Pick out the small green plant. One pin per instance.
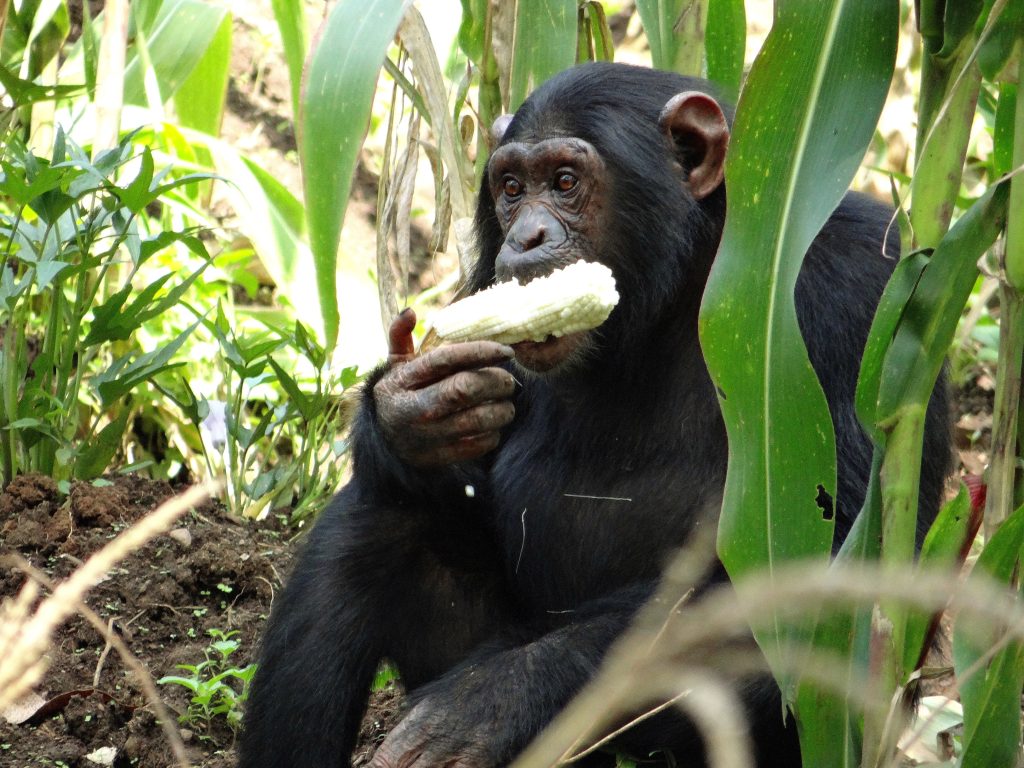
(213, 684)
(276, 435)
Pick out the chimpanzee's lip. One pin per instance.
(542, 356)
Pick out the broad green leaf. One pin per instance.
(291, 22)
(991, 692)
(340, 83)
(804, 109)
(658, 17)
(726, 44)
(544, 45)
(811, 103)
(179, 37)
(1007, 32)
(199, 101)
(97, 454)
(471, 30)
(50, 24)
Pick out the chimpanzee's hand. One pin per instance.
(445, 405)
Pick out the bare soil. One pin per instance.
(211, 572)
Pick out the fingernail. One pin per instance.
(405, 311)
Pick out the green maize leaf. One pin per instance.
(199, 101)
(958, 21)
(726, 44)
(1002, 135)
(659, 19)
(90, 51)
(544, 44)
(341, 79)
(811, 104)
(177, 41)
(890, 310)
(991, 693)
(291, 22)
(926, 327)
(144, 13)
(1006, 32)
(471, 30)
(805, 109)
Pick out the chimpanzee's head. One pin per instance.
(610, 163)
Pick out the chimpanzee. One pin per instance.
(510, 508)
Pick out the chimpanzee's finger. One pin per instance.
(400, 343)
(462, 390)
(438, 364)
(488, 417)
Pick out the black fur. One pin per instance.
(501, 604)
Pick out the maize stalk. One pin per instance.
(575, 298)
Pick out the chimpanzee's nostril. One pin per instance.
(534, 239)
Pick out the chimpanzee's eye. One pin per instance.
(511, 187)
(566, 182)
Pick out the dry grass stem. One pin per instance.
(145, 680)
(703, 645)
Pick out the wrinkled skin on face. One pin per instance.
(451, 403)
(550, 200)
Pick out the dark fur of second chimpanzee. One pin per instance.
(500, 605)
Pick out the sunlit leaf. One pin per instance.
(180, 35)
(291, 22)
(810, 104)
(340, 82)
(199, 101)
(545, 44)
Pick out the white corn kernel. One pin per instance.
(575, 298)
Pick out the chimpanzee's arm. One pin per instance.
(401, 565)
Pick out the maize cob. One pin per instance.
(575, 298)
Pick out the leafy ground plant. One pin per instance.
(73, 242)
(217, 687)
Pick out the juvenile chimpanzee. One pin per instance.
(496, 538)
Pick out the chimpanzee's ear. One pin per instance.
(694, 123)
(499, 127)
